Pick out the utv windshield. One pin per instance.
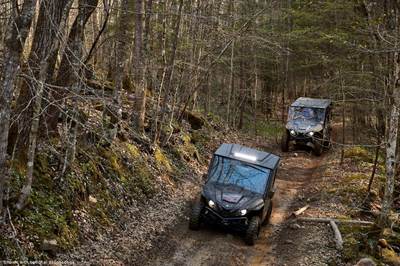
(306, 113)
(226, 171)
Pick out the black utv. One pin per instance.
(238, 191)
(308, 124)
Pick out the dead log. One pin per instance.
(338, 235)
(327, 220)
(300, 211)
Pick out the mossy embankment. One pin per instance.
(103, 181)
(346, 196)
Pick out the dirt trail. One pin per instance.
(214, 246)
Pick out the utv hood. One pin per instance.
(304, 126)
(232, 198)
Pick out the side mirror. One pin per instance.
(271, 193)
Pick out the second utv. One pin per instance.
(308, 124)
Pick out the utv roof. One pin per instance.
(311, 102)
(246, 154)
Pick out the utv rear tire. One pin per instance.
(252, 231)
(195, 215)
(285, 141)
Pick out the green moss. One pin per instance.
(350, 249)
(355, 178)
(143, 179)
(358, 153)
(390, 257)
(114, 163)
(9, 248)
(49, 217)
(186, 139)
(90, 169)
(200, 137)
(133, 150)
(162, 161)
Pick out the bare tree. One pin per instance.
(17, 32)
(45, 46)
(86, 7)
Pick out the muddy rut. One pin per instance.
(215, 246)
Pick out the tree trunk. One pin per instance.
(123, 39)
(45, 48)
(17, 32)
(50, 46)
(66, 72)
(140, 69)
(343, 119)
(391, 147)
(33, 135)
(231, 84)
(168, 71)
(391, 142)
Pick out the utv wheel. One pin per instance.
(285, 141)
(268, 216)
(317, 148)
(327, 145)
(195, 215)
(252, 231)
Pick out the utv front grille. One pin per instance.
(215, 217)
(226, 212)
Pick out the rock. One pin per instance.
(383, 243)
(50, 245)
(289, 242)
(294, 226)
(365, 262)
(92, 199)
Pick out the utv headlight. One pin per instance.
(211, 204)
(292, 132)
(310, 134)
(243, 212)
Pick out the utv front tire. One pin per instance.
(252, 231)
(285, 141)
(268, 216)
(317, 148)
(195, 215)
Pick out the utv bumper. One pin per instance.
(212, 216)
(303, 139)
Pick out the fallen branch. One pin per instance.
(328, 220)
(300, 211)
(338, 236)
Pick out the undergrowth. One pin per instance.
(101, 182)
